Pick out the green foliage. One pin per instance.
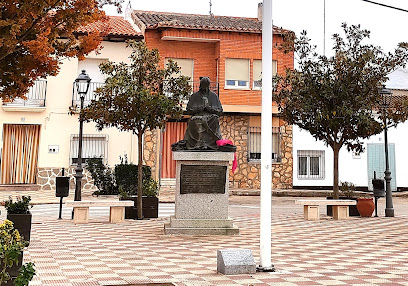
(103, 177)
(126, 179)
(11, 247)
(337, 99)
(123, 180)
(347, 189)
(25, 274)
(20, 206)
(138, 96)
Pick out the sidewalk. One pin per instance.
(357, 251)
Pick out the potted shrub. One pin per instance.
(12, 272)
(150, 201)
(123, 180)
(126, 179)
(18, 211)
(347, 191)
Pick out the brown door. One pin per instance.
(174, 132)
(20, 153)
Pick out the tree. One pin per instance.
(36, 35)
(137, 97)
(337, 99)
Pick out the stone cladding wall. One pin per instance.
(248, 174)
(150, 150)
(46, 179)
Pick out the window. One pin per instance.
(310, 164)
(92, 146)
(257, 83)
(254, 144)
(237, 73)
(186, 67)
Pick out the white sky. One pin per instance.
(387, 26)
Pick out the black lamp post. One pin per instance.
(389, 208)
(82, 86)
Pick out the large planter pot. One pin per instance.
(22, 222)
(352, 209)
(365, 207)
(150, 206)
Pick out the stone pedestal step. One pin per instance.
(200, 223)
(200, 231)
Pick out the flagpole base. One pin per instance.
(265, 269)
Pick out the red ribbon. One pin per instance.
(223, 142)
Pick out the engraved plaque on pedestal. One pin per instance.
(202, 179)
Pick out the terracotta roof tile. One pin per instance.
(153, 20)
(112, 26)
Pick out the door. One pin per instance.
(173, 133)
(20, 153)
(376, 162)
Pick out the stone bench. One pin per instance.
(116, 214)
(340, 208)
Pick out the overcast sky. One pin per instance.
(387, 26)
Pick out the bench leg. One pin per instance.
(311, 212)
(117, 214)
(340, 212)
(81, 214)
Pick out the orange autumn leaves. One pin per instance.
(36, 35)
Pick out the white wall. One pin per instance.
(352, 169)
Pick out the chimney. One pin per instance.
(260, 6)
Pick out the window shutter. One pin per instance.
(237, 69)
(186, 67)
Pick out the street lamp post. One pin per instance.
(389, 208)
(82, 86)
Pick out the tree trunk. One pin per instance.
(140, 177)
(336, 150)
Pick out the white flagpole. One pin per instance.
(266, 139)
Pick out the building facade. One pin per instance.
(229, 51)
(40, 133)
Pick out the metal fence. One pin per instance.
(254, 144)
(76, 100)
(93, 146)
(35, 97)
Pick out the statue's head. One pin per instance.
(205, 83)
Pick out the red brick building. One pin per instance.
(229, 51)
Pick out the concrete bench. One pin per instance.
(340, 208)
(116, 214)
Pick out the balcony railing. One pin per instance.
(214, 87)
(35, 96)
(76, 100)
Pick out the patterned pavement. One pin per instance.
(357, 251)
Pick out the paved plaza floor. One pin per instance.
(357, 251)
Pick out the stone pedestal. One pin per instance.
(201, 194)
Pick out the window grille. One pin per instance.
(93, 146)
(254, 144)
(311, 164)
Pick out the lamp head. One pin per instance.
(82, 83)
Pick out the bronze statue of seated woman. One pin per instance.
(203, 129)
